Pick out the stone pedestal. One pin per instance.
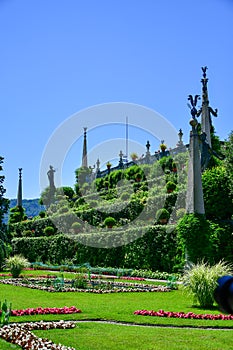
(194, 198)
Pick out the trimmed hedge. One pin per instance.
(159, 249)
(155, 250)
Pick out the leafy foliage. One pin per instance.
(109, 221)
(218, 198)
(17, 214)
(5, 313)
(193, 233)
(4, 202)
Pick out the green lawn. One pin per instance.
(90, 336)
(120, 307)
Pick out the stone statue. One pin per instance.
(193, 104)
(50, 174)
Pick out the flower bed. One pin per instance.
(190, 315)
(98, 286)
(21, 334)
(46, 311)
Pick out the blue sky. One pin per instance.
(60, 57)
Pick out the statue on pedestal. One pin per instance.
(50, 174)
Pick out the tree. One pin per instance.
(194, 238)
(82, 176)
(46, 197)
(4, 202)
(227, 150)
(17, 214)
(218, 197)
(67, 191)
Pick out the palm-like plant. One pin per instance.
(16, 264)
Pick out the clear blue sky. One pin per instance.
(59, 57)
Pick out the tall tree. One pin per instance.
(4, 202)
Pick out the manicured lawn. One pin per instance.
(120, 307)
(8, 346)
(89, 336)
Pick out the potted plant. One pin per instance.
(134, 156)
(162, 216)
(163, 147)
(108, 166)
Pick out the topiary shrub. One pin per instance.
(170, 186)
(125, 196)
(162, 216)
(49, 231)
(76, 227)
(109, 222)
(16, 264)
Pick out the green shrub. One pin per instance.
(5, 313)
(76, 227)
(180, 213)
(42, 214)
(201, 281)
(79, 282)
(170, 186)
(162, 214)
(27, 233)
(49, 231)
(109, 221)
(125, 196)
(194, 237)
(218, 198)
(16, 264)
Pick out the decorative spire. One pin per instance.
(84, 158)
(20, 190)
(206, 110)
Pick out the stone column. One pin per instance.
(20, 190)
(194, 197)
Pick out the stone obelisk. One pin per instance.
(84, 157)
(20, 190)
(194, 197)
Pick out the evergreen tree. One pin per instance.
(4, 202)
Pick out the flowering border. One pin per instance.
(46, 311)
(118, 287)
(188, 315)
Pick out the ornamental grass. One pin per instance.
(200, 281)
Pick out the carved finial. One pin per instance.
(204, 69)
(20, 173)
